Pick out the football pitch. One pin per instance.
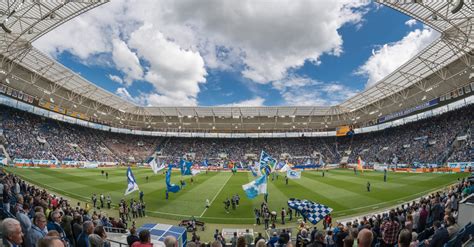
(340, 189)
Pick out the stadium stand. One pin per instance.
(430, 141)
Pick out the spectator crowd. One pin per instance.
(430, 141)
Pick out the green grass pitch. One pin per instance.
(339, 189)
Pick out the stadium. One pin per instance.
(160, 158)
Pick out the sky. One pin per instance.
(236, 53)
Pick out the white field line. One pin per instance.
(215, 196)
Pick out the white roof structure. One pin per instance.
(441, 67)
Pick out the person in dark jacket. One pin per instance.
(83, 239)
(132, 238)
(440, 236)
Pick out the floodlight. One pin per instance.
(5, 28)
(457, 5)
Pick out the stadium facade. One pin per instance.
(439, 75)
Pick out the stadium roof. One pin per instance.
(443, 66)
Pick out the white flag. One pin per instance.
(292, 174)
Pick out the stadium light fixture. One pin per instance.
(51, 100)
(258, 127)
(75, 106)
(189, 116)
(121, 110)
(424, 97)
(380, 114)
(5, 28)
(213, 127)
(7, 81)
(429, 89)
(457, 6)
(400, 105)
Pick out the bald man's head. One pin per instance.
(365, 238)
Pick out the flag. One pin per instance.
(280, 165)
(132, 183)
(253, 170)
(321, 162)
(187, 171)
(360, 164)
(285, 168)
(313, 212)
(154, 166)
(267, 163)
(205, 163)
(185, 167)
(256, 187)
(195, 170)
(169, 186)
(292, 174)
(182, 163)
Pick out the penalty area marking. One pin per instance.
(215, 196)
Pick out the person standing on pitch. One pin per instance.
(109, 201)
(106, 175)
(323, 173)
(385, 175)
(208, 204)
(141, 195)
(368, 186)
(286, 180)
(283, 215)
(167, 195)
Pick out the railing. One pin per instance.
(114, 243)
(115, 229)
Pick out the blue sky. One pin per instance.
(242, 53)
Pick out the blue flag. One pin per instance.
(169, 186)
(131, 182)
(187, 168)
(256, 187)
(182, 164)
(253, 170)
(205, 163)
(267, 163)
(313, 212)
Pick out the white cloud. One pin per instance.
(257, 101)
(302, 91)
(172, 99)
(410, 22)
(173, 70)
(126, 61)
(116, 78)
(294, 81)
(391, 56)
(124, 94)
(175, 40)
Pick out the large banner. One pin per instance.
(462, 166)
(344, 130)
(409, 110)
